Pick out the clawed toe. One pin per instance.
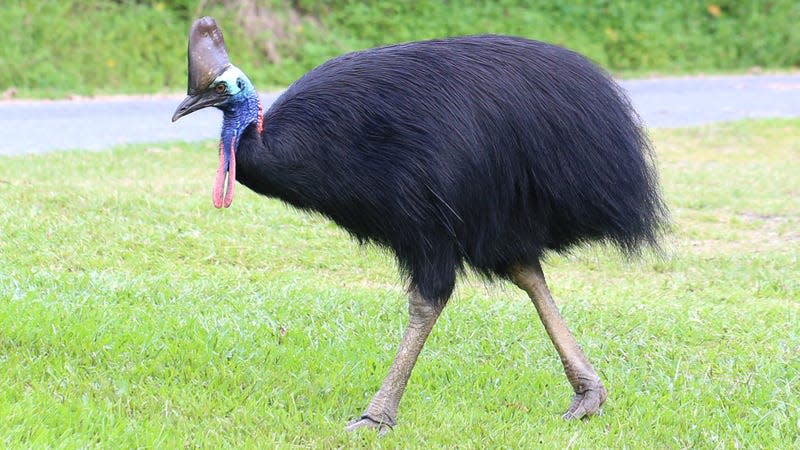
(381, 427)
(586, 403)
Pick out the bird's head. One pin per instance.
(214, 81)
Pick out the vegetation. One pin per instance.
(102, 46)
(133, 314)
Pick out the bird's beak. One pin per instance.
(193, 102)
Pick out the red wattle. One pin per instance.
(220, 179)
(260, 118)
(231, 174)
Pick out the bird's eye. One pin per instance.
(220, 88)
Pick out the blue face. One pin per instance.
(238, 100)
(236, 87)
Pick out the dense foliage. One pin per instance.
(99, 46)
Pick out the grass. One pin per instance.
(133, 314)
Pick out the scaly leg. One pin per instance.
(589, 391)
(382, 410)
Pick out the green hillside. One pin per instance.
(103, 46)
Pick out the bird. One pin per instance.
(471, 154)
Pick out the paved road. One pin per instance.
(39, 126)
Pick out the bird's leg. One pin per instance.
(382, 410)
(589, 391)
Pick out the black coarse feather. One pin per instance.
(484, 150)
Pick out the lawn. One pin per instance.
(134, 314)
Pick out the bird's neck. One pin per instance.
(244, 110)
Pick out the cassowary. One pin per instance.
(481, 152)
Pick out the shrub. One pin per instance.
(95, 46)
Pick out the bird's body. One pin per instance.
(482, 152)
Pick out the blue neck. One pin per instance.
(238, 113)
(241, 111)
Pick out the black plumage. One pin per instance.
(486, 151)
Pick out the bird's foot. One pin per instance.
(587, 402)
(381, 426)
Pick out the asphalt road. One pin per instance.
(40, 126)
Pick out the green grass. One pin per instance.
(133, 314)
